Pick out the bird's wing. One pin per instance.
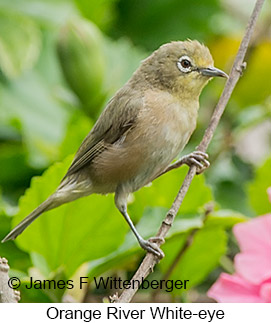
(118, 117)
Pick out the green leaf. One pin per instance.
(20, 44)
(164, 189)
(225, 218)
(208, 245)
(257, 189)
(127, 254)
(33, 295)
(45, 289)
(86, 229)
(153, 202)
(41, 117)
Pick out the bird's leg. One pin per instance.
(197, 158)
(149, 245)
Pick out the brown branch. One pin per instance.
(148, 263)
(7, 294)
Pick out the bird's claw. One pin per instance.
(198, 159)
(152, 247)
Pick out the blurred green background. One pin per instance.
(60, 62)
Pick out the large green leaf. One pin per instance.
(32, 295)
(224, 218)
(82, 230)
(208, 245)
(42, 119)
(129, 251)
(164, 189)
(257, 189)
(161, 194)
(20, 43)
(126, 256)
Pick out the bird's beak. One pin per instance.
(212, 71)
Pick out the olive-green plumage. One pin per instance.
(141, 130)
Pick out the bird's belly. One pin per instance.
(138, 160)
(132, 167)
(159, 153)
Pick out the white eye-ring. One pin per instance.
(184, 64)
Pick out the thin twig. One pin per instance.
(148, 263)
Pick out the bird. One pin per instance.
(141, 130)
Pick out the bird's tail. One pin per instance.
(69, 190)
(45, 206)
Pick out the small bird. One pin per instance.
(141, 131)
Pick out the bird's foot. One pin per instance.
(198, 159)
(151, 246)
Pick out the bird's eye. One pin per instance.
(184, 64)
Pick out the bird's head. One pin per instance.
(183, 67)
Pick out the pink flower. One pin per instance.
(251, 283)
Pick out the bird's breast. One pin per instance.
(163, 128)
(171, 122)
